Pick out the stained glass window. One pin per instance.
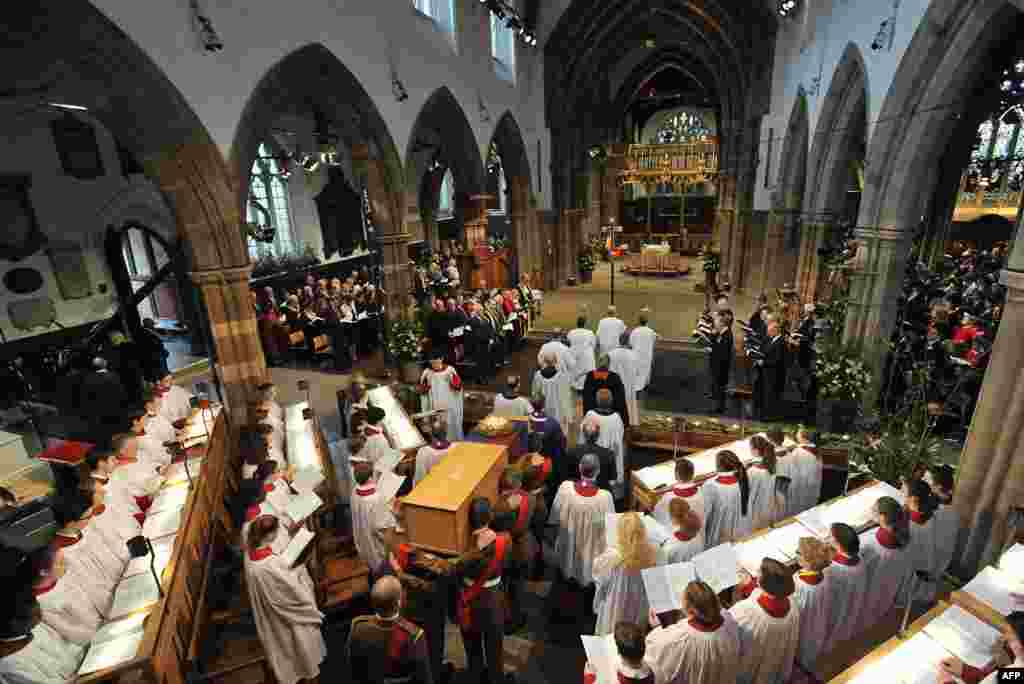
(445, 202)
(503, 49)
(269, 191)
(984, 137)
(1001, 148)
(682, 127)
(441, 11)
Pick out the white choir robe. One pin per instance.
(427, 457)
(620, 594)
(287, 619)
(678, 549)
(161, 428)
(276, 438)
(889, 572)
(283, 537)
(95, 557)
(924, 555)
(566, 358)
(787, 466)
(276, 412)
(376, 447)
(130, 481)
(48, 659)
(724, 520)
(686, 653)
(947, 524)
(371, 515)
(850, 586)
(515, 406)
(67, 609)
(807, 480)
(815, 603)
(583, 343)
(114, 527)
(444, 392)
(581, 536)
(609, 333)
(686, 490)
(624, 362)
(768, 644)
(558, 400)
(612, 436)
(765, 506)
(152, 450)
(176, 404)
(641, 341)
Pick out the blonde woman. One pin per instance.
(620, 595)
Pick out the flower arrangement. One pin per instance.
(711, 261)
(496, 243)
(841, 374)
(403, 341)
(585, 261)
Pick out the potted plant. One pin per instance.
(843, 377)
(586, 264)
(711, 264)
(403, 345)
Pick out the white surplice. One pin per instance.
(376, 447)
(620, 595)
(766, 506)
(48, 659)
(641, 341)
(558, 400)
(152, 450)
(581, 536)
(679, 550)
(609, 334)
(566, 358)
(849, 586)
(947, 529)
(815, 602)
(444, 392)
(686, 490)
(67, 609)
(371, 515)
(624, 362)
(96, 558)
(889, 572)
(724, 520)
(924, 555)
(427, 457)
(161, 428)
(768, 644)
(583, 343)
(516, 406)
(287, 619)
(806, 479)
(176, 403)
(131, 480)
(612, 436)
(283, 536)
(686, 654)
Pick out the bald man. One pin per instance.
(385, 647)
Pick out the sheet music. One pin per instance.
(656, 532)
(175, 473)
(169, 498)
(964, 635)
(303, 506)
(657, 476)
(388, 485)
(916, 661)
(297, 545)
(665, 585)
(993, 587)
(718, 567)
(1012, 562)
(132, 594)
(162, 524)
(111, 653)
(602, 655)
(307, 479)
(857, 510)
(279, 498)
(753, 551)
(388, 461)
(813, 520)
(162, 550)
(787, 538)
(119, 628)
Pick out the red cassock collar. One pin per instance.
(600, 375)
(586, 489)
(776, 606)
(366, 492)
(727, 479)
(843, 559)
(703, 626)
(810, 577)
(685, 492)
(251, 513)
(140, 434)
(886, 538)
(260, 554)
(918, 517)
(41, 589)
(268, 487)
(682, 536)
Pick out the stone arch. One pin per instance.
(508, 139)
(66, 51)
(442, 132)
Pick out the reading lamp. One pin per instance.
(139, 547)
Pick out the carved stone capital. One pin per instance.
(219, 276)
(883, 233)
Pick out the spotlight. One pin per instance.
(310, 163)
(786, 7)
(204, 27)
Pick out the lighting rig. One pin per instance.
(787, 7)
(512, 18)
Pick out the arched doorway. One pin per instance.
(508, 173)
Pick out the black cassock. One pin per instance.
(722, 353)
(771, 380)
(598, 380)
(478, 346)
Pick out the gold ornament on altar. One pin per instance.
(495, 426)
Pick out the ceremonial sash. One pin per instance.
(522, 517)
(396, 647)
(469, 595)
(144, 502)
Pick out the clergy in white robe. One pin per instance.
(611, 431)
(583, 344)
(372, 520)
(609, 331)
(176, 401)
(284, 607)
(850, 584)
(620, 594)
(641, 341)
(813, 597)
(579, 511)
(769, 627)
(684, 488)
(554, 386)
(509, 402)
(441, 388)
(429, 455)
(566, 358)
(47, 659)
(623, 362)
(889, 564)
(687, 538)
(703, 648)
(727, 509)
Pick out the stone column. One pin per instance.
(772, 272)
(519, 213)
(876, 276)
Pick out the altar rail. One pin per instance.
(692, 158)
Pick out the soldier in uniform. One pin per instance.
(515, 507)
(385, 648)
(479, 605)
(426, 580)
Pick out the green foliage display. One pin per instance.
(403, 340)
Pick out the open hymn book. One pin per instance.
(665, 585)
(297, 545)
(603, 657)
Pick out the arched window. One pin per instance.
(268, 204)
(682, 127)
(497, 169)
(503, 49)
(446, 201)
(443, 14)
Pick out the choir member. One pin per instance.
(177, 401)
(602, 378)
(254, 451)
(623, 362)
(612, 433)
(259, 507)
(947, 520)
(609, 331)
(684, 488)
(770, 383)
(480, 613)
(553, 385)
(769, 627)
(849, 576)
(702, 649)
(766, 505)
(814, 597)
(429, 455)
(284, 607)
(1011, 655)
(276, 445)
(509, 403)
(641, 341)
(579, 511)
(889, 563)
(92, 550)
(69, 600)
(385, 647)
(583, 343)
(149, 447)
(273, 444)
(426, 585)
(135, 480)
(517, 506)
(441, 388)
(620, 595)
(268, 393)
(155, 423)
(723, 353)
(630, 667)
(565, 358)
(807, 472)
(377, 443)
(373, 520)
(590, 443)
(727, 509)
(687, 538)
(924, 539)
(46, 658)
